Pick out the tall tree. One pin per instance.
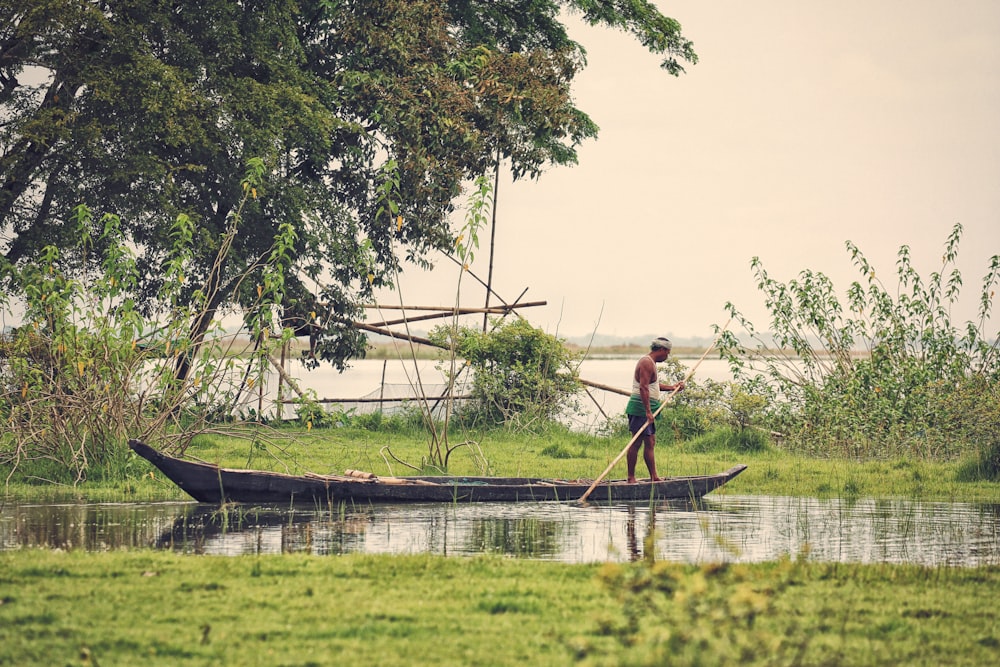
(151, 108)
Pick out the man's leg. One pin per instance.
(635, 424)
(631, 457)
(649, 456)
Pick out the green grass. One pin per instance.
(555, 453)
(160, 608)
(157, 608)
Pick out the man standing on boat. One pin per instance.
(644, 401)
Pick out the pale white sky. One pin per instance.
(804, 125)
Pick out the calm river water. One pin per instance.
(719, 528)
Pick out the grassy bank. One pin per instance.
(160, 608)
(167, 609)
(557, 453)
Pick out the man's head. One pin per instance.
(661, 347)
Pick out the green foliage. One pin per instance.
(556, 451)
(522, 378)
(310, 414)
(406, 421)
(887, 374)
(62, 370)
(985, 464)
(689, 412)
(679, 422)
(690, 615)
(657, 32)
(466, 244)
(476, 219)
(88, 368)
(152, 111)
(792, 613)
(705, 405)
(730, 439)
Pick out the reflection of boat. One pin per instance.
(213, 529)
(209, 483)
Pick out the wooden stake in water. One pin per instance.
(658, 410)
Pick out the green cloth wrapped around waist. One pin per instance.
(635, 406)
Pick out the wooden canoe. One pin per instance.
(209, 483)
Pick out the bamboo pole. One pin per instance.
(363, 399)
(288, 379)
(493, 237)
(394, 334)
(596, 404)
(496, 310)
(454, 311)
(281, 380)
(658, 410)
(598, 385)
(381, 384)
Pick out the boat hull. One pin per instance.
(209, 483)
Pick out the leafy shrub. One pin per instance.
(678, 423)
(675, 614)
(702, 406)
(706, 405)
(310, 413)
(92, 366)
(523, 377)
(888, 374)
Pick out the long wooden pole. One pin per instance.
(453, 312)
(638, 433)
(493, 310)
(493, 238)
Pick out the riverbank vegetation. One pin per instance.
(91, 364)
(887, 377)
(162, 608)
(887, 382)
(357, 127)
(886, 373)
(391, 446)
(285, 209)
(110, 608)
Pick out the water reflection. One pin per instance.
(723, 528)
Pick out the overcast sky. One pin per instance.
(804, 125)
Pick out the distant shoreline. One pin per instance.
(619, 351)
(392, 351)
